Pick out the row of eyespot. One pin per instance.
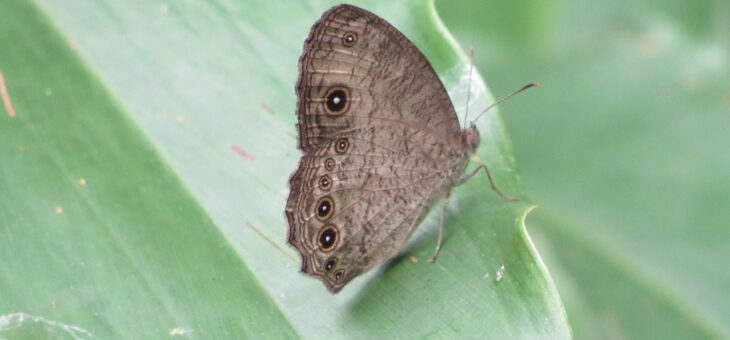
(328, 236)
(336, 103)
(337, 99)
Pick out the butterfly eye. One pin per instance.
(330, 264)
(327, 238)
(349, 39)
(337, 100)
(329, 164)
(325, 182)
(341, 145)
(325, 208)
(339, 274)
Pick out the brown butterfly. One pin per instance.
(382, 144)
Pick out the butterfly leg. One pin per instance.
(491, 182)
(441, 230)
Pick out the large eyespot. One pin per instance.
(327, 238)
(337, 100)
(341, 145)
(330, 264)
(325, 182)
(325, 208)
(339, 274)
(329, 164)
(349, 39)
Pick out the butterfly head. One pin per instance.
(470, 138)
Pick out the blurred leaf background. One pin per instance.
(628, 157)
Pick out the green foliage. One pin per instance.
(624, 148)
(144, 175)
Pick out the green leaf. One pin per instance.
(625, 148)
(144, 180)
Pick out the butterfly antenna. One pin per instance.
(505, 98)
(468, 93)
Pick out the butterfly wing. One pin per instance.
(384, 76)
(380, 137)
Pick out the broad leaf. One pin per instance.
(144, 179)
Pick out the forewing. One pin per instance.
(388, 79)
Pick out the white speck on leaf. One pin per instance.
(180, 331)
(500, 274)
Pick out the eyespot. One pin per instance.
(330, 264)
(339, 274)
(341, 145)
(325, 208)
(325, 182)
(349, 39)
(337, 100)
(327, 238)
(329, 164)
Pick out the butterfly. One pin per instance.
(382, 145)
